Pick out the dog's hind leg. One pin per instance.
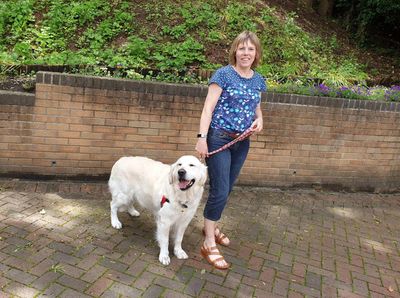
(132, 211)
(117, 204)
(115, 223)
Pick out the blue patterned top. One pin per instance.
(236, 107)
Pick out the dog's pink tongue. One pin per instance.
(183, 183)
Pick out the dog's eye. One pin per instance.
(191, 165)
(179, 164)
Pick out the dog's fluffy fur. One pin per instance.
(146, 181)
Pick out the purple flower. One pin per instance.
(322, 89)
(395, 88)
(393, 94)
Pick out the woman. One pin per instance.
(232, 106)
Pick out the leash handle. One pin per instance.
(248, 132)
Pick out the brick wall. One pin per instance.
(78, 126)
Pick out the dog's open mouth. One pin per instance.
(185, 184)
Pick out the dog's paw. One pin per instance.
(116, 224)
(164, 259)
(133, 212)
(180, 253)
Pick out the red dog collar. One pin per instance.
(163, 201)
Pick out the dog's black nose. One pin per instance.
(181, 173)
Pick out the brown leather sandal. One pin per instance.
(213, 251)
(219, 238)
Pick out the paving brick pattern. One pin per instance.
(56, 241)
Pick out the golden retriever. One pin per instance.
(171, 192)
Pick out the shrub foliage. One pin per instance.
(169, 37)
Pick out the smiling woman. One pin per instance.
(245, 53)
(232, 107)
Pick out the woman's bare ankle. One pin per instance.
(209, 242)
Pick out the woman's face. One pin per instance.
(245, 54)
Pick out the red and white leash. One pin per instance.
(248, 132)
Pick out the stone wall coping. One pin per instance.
(192, 90)
(107, 83)
(17, 98)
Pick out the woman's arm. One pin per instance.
(257, 125)
(213, 94)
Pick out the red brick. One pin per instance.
(369, 279)
(219, 290)
(267, 275)
(3, 282)
(360, 287)
(347, 294)
(382, 290)
(343, 273)
(245, 291)
(275, 249)
(88, 262)
(299, 269)
(17, 263)
(244, 252)
(357, 260)
(328, 291)
(328, 263)
(281, 287)
(21, 290)
(293, 294)
(232, 280)
(376, 295)
(144, 280)
(255, 263)
(99, 286)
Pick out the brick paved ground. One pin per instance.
(56, 241)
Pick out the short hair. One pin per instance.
(244, 37)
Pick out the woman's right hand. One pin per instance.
(202, 148)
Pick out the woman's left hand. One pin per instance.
(257, 125)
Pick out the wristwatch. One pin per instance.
(202, 135)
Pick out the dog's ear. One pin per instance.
(171, 173)
(203, 177)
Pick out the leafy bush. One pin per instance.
(175, 56)
(171, 37)
(351, 92)
(15, 20)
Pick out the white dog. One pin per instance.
(171, 192)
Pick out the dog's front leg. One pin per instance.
(178, 251)
(163, 239)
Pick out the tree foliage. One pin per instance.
(367, 17)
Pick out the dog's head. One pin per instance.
(188, 171)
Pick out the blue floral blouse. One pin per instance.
(236, 107)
